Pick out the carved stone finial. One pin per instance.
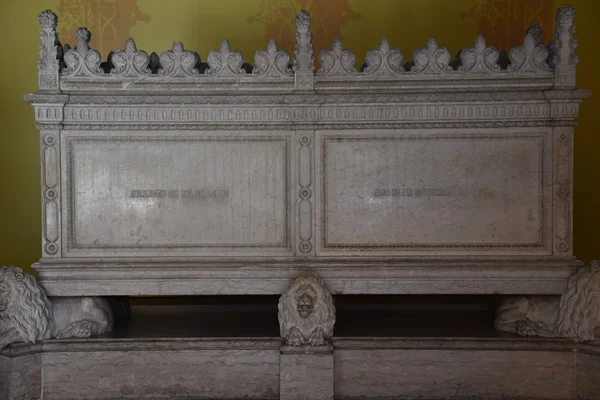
(303, 20)
(565, 15)
(27, 315)
(48, 64)
(563, 56)
(575, 314)
(48, 19)
(306, 313)
(83, 37)
(304, 64)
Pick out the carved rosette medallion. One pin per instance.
(305, 194)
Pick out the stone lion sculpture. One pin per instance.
(575, 314)
(27, 315)
(306, 313)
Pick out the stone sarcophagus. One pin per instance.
(171, 174)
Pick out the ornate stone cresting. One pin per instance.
(479, 57)
(306, 313)
(575, 314)
(337, 61)
(225, 62)
(82, 61)
(27, 315)
(529, 56)
(178, 62)
(383, 60)
(432, 59)
(48, 64)
(272, 62)
(563, 57)
(130, 62)
(304, 64)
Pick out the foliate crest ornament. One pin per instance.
(178, 62)
(306, 313)
(225, 62)
(479, 57)
(576, 314)
(48, 64)
(272, 62)
(432, 60)
(564, 46)
(383, 60)
(529, 56)
(82, 61)
(130, 62)
(337, 61)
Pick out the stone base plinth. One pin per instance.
(260, 368)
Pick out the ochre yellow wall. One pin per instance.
(201, 24)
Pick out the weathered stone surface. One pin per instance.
(484, 374)
(306, 373)
(211, 374)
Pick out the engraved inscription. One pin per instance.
(435, 191)
(194, 192)
(174, 193)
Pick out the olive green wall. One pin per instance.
(201, 24)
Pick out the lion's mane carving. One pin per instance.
(306, 313)
(575, 314)
(27, 315)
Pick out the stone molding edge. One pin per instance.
(100, 99)
(575, 314)
(60, 63)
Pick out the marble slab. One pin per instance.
(450, 373)
(213, 193)
(207, 374)
(397, 192)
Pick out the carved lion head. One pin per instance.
(24, 306)
(306, 305)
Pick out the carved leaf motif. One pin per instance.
(479, 58)
(178, 62)
(529, 56)
(383, 60)
(337, 61)
(225, 62)
(130, 61)
(432, 59)
(81, 60)
(272, 62)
